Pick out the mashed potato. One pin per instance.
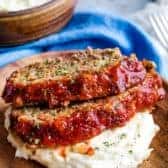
(15, 5)
(124, 147)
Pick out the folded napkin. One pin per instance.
(97, 31)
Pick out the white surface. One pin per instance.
(118, 7)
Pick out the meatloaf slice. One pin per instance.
(77, 77)
(70, 125)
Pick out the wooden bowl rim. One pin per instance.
(29, 10)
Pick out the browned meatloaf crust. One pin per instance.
(70, 125)
(81, 76)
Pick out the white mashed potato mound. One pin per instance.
(124, 147)
(16, 5)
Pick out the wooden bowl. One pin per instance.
(30, 24)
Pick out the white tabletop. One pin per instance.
(119, 7)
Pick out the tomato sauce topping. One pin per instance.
(85, 123)
(111, 80)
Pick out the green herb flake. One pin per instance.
(61, 71)
(122, 136)
(97, 148)
(107, 143)
(46, 62)
(130, 151)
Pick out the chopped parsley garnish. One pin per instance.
(61, 71)
(97, 148)
(46, 62)
(130, 151)
(107, 144)
(122, 136)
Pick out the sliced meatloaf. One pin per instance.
(76, 123)
(77, 77)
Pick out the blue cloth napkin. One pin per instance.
(97, 31)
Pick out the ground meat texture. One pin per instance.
(79, 77)
(77, 123)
